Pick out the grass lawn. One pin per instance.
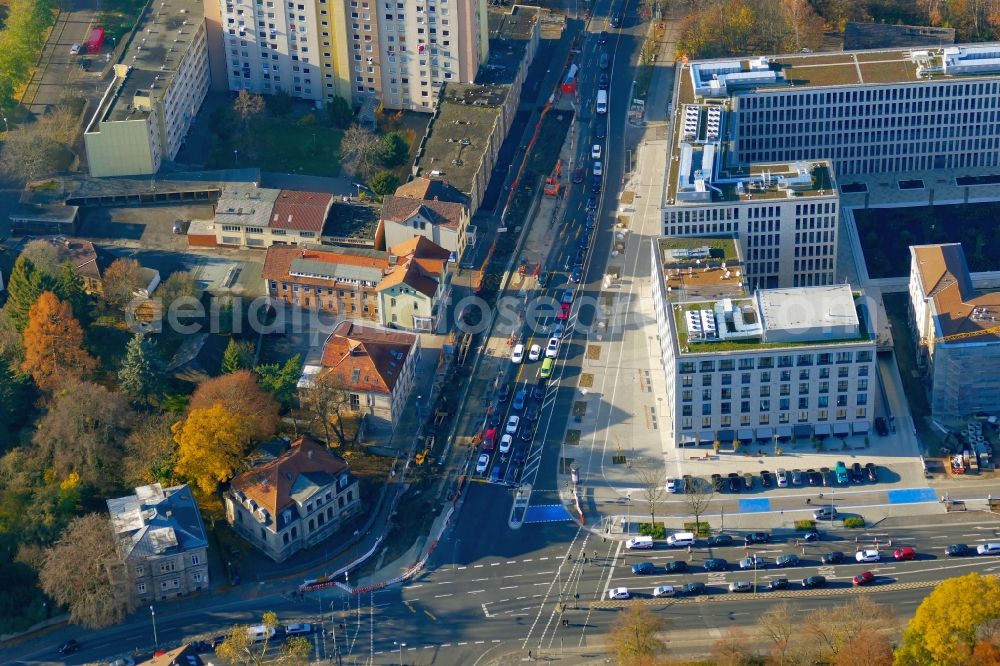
(887, 233)
(285, 147)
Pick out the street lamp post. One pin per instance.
(6, 127)
(236, 157)
(401, 646)
(152, 613)
(454, 554)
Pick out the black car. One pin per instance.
(718, 483)
(520, 453)
(504, 394)
(881, 427)
(584, 242)
(748, 480)
(579, 257)
(531, 413)
(592, 203)
(643, 568)
(720, 540)
(758, 537)
(810, 536)
(766, 478)
(603, 82)
(833, 557)
(527, 433)
(958, 550)
(857, 473)
(829, 478)
(590, 222)
(600, 132)
(734, 482)
(871, 471)
(814, 581)
(814, 477)
(694, 589)
(538, 390)
(778, 584)
(676, 566)
(495, 417)
(789, 560)
(69, 647)
(715, 564)
(603, 37)
(595, 187)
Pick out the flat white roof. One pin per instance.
(807, 308)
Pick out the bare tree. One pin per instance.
(829, 630)
(653, 488)
(698, 493)
(121, 280)
(634, 635)
(44, 255)
(779, 626)
(360, 151)
(328, 406)
(239, 646)
(28, 154)
(248, 106)
(731, 649)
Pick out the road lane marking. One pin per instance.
(430, 615)
(514, 576)
(542, 559)
(495, 564)
(509, 587)
(475, 591)
(480, 642)
(438, 596)
(477, 566)
(478, 580)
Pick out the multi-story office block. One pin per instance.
(780, 363)
(157, 90)
(866, 111)
(397, 52)
(958, 332)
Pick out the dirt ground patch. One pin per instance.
(593, 352)
(586, 380)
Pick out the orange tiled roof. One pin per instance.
(944, 277)
(279, 258)
(270, 485)
(304, 211)
(366, 359)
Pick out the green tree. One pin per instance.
(142, 371)
(26, 284)
(68, 287)
(238, 356)
(339, 112)
(281, 380)
(394, 150)
(384, 182)
(946, 627)
(14, 402)
(280, 104)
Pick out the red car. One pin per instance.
(905, 554)
(864, 578)
(563, 313)
(489, 439)
(578, 175)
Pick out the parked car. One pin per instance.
(595, 151)
(715, 564)
(664, 591)
(489, 439)
(598, 169)
(535, 352)
(547, 366)
(563, 314)
(864, 578)
(496, 474)
(871, 471)
(602, 38)
(495, 415)
(75, 49)
(70, 646)
(298, 629)
(748, 480)
(753, 562)
(782, 477)
(904, 554)
(558, 331)
(538, 390)
(503, 395)
(643, 568)
(720, 540)
(814, 478)
(741, 586)
(674, 485)
(734, 482)
(517, 355)
(567, 296)
(788, 560)
(482, 463)
(868, 555)
(520, 453)
(814, 581)
(796, 477)
(758, 537)
(601, 131)
(833, 557)
(512, 423)
(857, 473)
(718, 483)
(527, 432)
(778, 584)
(829, 478)
(766, 478)
(988, 549)
(694, 589)
(603, 82)
(619, 593)
(881, 426)
(592, 203)
(825, 513)
(841, 469)
(577, 275)
(811, 535)
(676, 566)
(958, 550)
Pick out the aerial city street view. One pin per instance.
(454, 332)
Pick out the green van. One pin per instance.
(547, 366)
(841, 471)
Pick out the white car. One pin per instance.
(534, 353)
(75, 49)
(598, 169)
(664, 591)
(482, 463)
(868, 555)
(619, 593)
(595, 152)
(675, 485)
(552, 349)
(505, 443)
(559, 330)
(512, 424)
(517, 355)
(298, 629)
(988, 549)
(782, 477)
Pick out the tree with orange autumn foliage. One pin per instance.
(240, 393)
(211, 444)
(53, 344)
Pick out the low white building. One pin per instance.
(780, 363)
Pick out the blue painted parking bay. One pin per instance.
(760, 505)
(546, 513)
(911, 496)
